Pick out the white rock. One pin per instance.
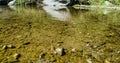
(59, 51)
(73, 50)
(16, 55)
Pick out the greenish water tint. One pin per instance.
(94, 33)
(101, 2)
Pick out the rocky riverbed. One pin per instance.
(34, 37)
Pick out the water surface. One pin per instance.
(94, 33)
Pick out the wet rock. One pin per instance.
(74, 50)
(60, 51)
(95, 46)
(16, 56)
(4, 47)
(87, 43)
(10, 46)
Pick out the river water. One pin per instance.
(95, 32)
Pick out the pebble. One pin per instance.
(60, 51)
(73, 50)
(95, 46)
(16, 55)
(8, 46)
(4, 47)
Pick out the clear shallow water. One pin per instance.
(91, 21)
(94, 31)
(84, 21)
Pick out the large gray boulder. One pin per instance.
(66, 2)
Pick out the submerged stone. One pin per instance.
(4, 47)
(60, 51)
(8, 46)
(74, 50)
(16, 56)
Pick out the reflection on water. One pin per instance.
(0, 9)
(4, 8)
(61, 13)
(57, 9)
(12, 7)
(106, 11)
